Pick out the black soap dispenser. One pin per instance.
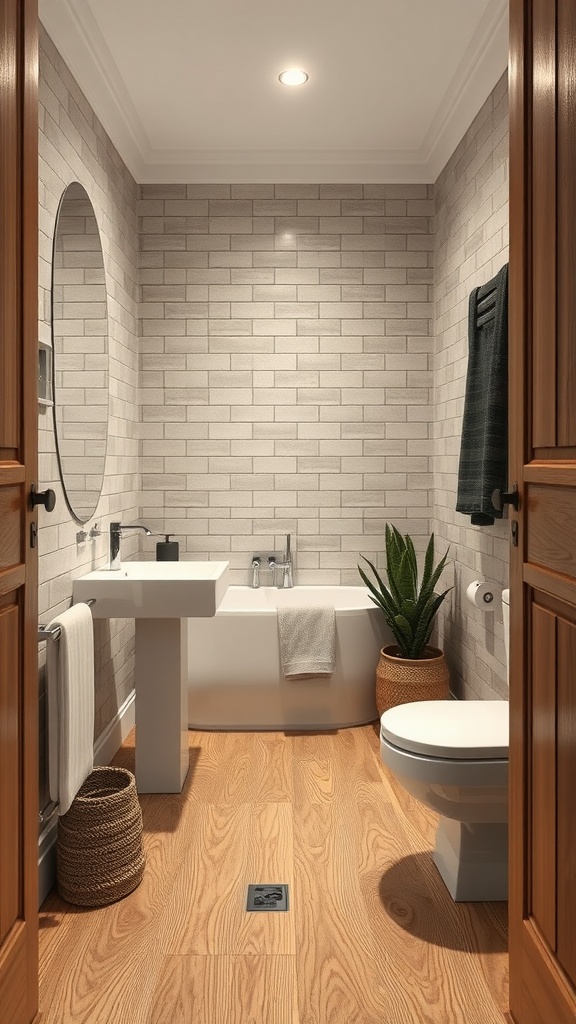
(167, 550)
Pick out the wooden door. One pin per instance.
(543, 462)
(18, 561)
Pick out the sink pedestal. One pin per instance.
(162, 755)
(160, 596)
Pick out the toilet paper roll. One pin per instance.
(482, 595)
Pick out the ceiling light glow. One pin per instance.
(293, 76)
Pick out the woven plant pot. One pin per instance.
(403, 680)
(99, 849)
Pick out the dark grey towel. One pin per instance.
(484, 447)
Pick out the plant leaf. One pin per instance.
(408, 607)
(410, 611)
(427, 622)
(393, 556)
(405, 578)
(382, 590)
(375, 571)
(382, 598)
(403, 631)
(428, 563)
(438, 571)
(413, 561)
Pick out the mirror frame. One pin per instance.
(76, 516)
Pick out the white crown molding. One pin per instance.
(78, 38)
(482, 66)
(284, 166)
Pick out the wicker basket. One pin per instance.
(403, 680)
(99, 850)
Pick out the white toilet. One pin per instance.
(453, 757)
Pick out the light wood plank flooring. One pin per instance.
(372, 936)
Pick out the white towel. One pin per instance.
(307, 641)
(70, 690)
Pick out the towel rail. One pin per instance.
(48, 813)
(54, 634)
(50, 810)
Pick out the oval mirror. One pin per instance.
(80, 341)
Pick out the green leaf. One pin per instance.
(427, 622)
(413, 561)
(382, 597)
(438, 572)
(374, 570)
(393, 556)
(403, 630)
(404, 578)
(408, 607)
(428, 563)
(410, 610)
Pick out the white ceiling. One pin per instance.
(188, 90)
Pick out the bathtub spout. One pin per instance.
(286, 567)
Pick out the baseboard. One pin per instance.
(116, 731)
(104, 749)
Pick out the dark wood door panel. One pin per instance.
(18, 561)
(566, 112)
(547, 997)
(551, 528)
(13, 977)
(11, 500)
(543, 774)
(10, 775)
(542, 459)
(544, 226)
(9, 228)
(566, 793)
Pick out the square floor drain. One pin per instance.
(267, 897)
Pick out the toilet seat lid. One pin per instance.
(456, 729)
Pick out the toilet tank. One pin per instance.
(506, 617)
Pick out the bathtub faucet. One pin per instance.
(285, 566)
(255, 572)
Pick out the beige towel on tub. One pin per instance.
(307, 641)
(70, 691)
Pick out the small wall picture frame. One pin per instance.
(45, 374)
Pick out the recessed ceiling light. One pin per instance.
(293, 76)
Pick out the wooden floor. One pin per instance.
(372, 936)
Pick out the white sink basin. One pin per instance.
(154, 590)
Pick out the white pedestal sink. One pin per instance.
(160, 596)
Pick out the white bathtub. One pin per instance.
(235, 676)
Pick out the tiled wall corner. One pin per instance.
(285, 378)
(471, 244)
(74, 146)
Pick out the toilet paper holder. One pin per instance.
(484, 595)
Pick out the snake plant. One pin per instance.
(409, 605)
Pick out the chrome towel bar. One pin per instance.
(54, 633)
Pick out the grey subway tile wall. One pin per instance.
(73, 146)
(471, 244)
(286, 346)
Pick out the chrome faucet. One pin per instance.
(285, 566)
(255, 572)
(116, 531)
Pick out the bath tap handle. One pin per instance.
(255, 572)
(285, 566)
